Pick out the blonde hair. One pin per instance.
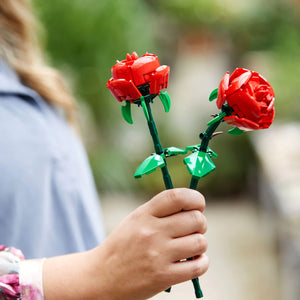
(20, 48)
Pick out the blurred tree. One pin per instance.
(251, 25)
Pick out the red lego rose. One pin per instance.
(135, 76)
(251, 98)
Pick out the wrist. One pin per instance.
(99, 275)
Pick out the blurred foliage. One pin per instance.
(270, 26)
(86, 37)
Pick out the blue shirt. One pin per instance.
(48, 201)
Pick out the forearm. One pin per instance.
(73, 276)
(88, 275)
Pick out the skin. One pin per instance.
(143, 255)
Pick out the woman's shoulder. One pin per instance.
(22, 123)
(25, 129)
(22, 110)
(17, 101)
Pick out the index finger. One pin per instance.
(173, 201)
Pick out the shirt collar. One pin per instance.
(10, 83)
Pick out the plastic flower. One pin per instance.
(250, 97)
(136, 76)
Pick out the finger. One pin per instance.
(184, 223)
(188, 246)
(172, 201)
(189, 269)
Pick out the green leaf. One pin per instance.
(175, 151)
(199, 164)
(166, 101)
(126, 112)
(235, 131)
(150, 164)
(213, 95)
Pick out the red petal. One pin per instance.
(222, 90)
(249, 89)
(261, 79)
(266, 121)
(128, 57)
(134, 55)
(271, 105)
(254, 83)
(238, 82)
(242, 123)
(244, 105)
(146, 64)
(123, 90)
(237, 72)
(159, 79)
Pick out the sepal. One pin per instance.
(166, 101)
(213, 95)
(126, 112)
(217, 118)
(235, 131)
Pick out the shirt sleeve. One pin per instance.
(19, 278)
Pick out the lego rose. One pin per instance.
(137, 76)
(250, 97)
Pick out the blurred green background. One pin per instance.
(85, 38)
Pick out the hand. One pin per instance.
(143, 256)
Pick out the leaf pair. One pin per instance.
(199, 163)
(126, 110)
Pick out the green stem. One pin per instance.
(194, 183)
(207, 135)
(197, 288)
(205, 138)
(158, 149)
(157, 145)
(196, 284)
